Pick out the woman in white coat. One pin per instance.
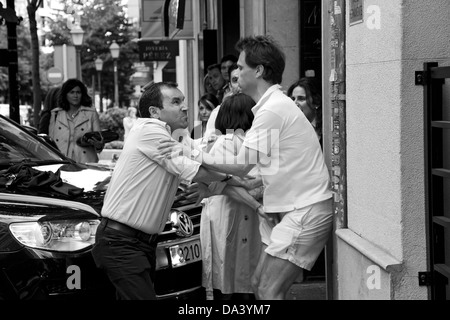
(74, 117)
(229, 231)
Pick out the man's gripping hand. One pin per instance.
(170, 148)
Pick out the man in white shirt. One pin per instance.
(141, 192)
(284, 146)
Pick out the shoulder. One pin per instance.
(87, 109)
(56, 110)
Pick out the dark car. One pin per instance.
(48, 224)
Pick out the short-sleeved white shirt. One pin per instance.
(291, 159)
(144, 183)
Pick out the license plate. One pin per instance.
(185, 253)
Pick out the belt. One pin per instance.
(129, 231)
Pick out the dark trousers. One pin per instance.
(128, 261)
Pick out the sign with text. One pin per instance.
(55, 75)
(158, 50)
(356, 11)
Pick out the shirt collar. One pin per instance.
(265, 97)
(156, 121)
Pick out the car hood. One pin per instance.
(89, 178)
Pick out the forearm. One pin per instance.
(234, 166)
(207, 176)
(241, 195)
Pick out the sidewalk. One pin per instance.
(308, 290)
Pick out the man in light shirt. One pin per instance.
(141, 192)
(284, 146)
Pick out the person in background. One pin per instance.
(307, 96)
(217, 81)
(229, 231)
(129, 121)
(210, 133)
(225, 63)
(74, 117)
(206, 104)
(284, 146)
(233, 85)
(50, 103)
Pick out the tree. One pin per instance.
(25, 64)
(32, 6)
(102, 21)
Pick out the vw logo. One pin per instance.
(182, 224)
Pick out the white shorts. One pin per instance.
(301, 235)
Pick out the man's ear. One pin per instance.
(155, 112)
(259, 71)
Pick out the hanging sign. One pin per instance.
(356, 11)
(158, 50)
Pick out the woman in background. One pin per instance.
(306, 94)
(74, 117)
(206, 104)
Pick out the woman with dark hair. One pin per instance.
(229, 231)
(206, 104)
(307, 96)
(74, 117)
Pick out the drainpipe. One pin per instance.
(334, 113)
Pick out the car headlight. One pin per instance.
(61, 235)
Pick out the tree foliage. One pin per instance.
(103, 22)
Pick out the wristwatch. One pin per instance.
(227, 177)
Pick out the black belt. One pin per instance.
(129, 231)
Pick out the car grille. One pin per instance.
(194, 212)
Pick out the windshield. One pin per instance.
(17, 145)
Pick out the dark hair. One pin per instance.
(263, 50)
(208, 97)
(235, 113)
(213, 66)
(313, 96)
(233, 67)
(51, 99)
(67, 86)
(152, 96)
(229, 57)
(50, 103)
(312, 90)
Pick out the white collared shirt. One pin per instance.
(291, 159)
(144, 184)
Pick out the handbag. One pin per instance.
(97, 137)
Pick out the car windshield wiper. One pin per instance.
(47, 162)
(40, 162)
